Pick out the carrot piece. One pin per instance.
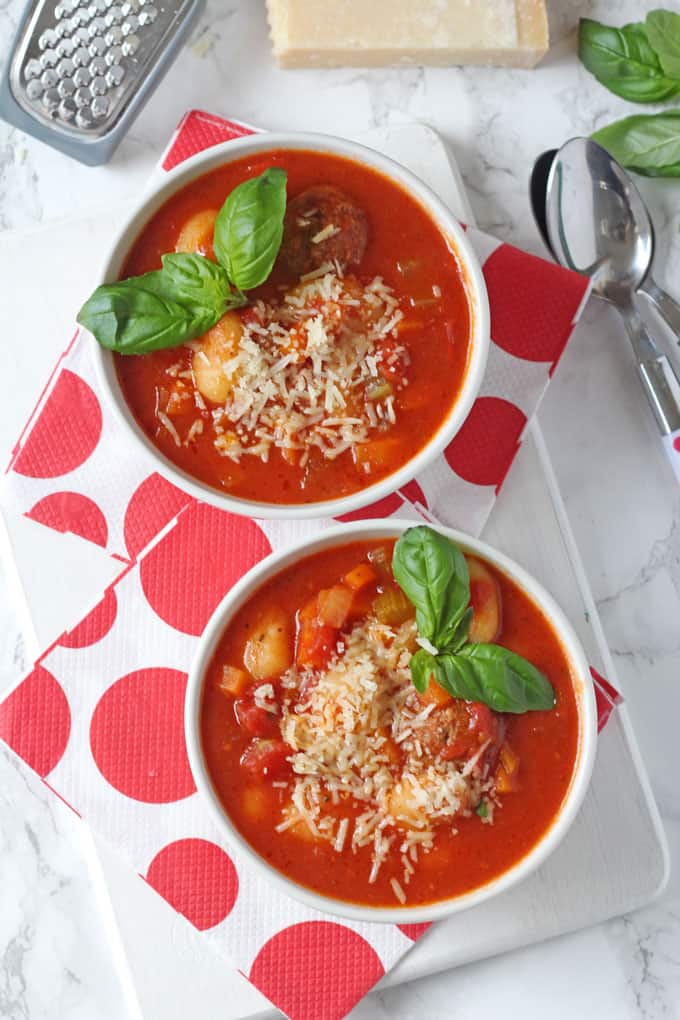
(507, 773)
(234, 681)
(377, 455)
(434, 694)
(360, 577)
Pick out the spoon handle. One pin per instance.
(659, 381)
(667, 306)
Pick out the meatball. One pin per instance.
(322, 224)
(458, 729)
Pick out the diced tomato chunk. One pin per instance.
(253, 719)
(267, 759)
(316, 644)
(483, 722)
(316, 641)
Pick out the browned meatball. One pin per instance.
(322, 224)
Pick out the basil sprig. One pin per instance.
(249, 228)
(647, 144)
(625, 61)
(640, 62)
(432, 572)
(185, 298)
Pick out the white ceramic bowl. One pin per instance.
(234, 150)
(583, 688)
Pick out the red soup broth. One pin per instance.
(405, 247)
(545, 741)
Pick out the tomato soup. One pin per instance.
(346, 779)
(331, 377)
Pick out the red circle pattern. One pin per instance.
(384, 507)
(197, 878)
(523, 323)
(414, 931)
(298, 970)
(484, 448)
(94, 626)
(152, 505)
(185, 576)
(137, 736)
(65, 434)
(71, 511)
(35, 720)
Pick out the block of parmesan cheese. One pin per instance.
(378, 33)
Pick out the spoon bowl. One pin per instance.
(596, 220)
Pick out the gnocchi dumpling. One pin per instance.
(196, 236)
(269, 651)
(211, 352)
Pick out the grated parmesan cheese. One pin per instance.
(341, 727)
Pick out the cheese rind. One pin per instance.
(361, 33)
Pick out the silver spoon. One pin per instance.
(593, 223)
(666, 305)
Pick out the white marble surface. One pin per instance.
(623, 504)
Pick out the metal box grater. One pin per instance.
(79, 71)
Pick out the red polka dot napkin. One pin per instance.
(101, 713)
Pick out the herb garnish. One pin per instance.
(482, 809)
(185, 298)
(639, 62)
(432, 572)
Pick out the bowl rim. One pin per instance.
(227, 152)
(583, 687)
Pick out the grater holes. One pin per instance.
(114, 55)
(81, 57)
(33, 69)
(115, 75)
(82, 77)
(49, 78)
(131, 45)
(66, 88)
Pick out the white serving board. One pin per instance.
(615, 857)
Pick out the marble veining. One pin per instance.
(622, 503)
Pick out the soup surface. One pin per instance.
(344, 363)
(347, 780)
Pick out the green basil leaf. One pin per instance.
(433, 574)
(198, 283)
(422, 668)
(460, 634)
(135, 317)
(495, 676)
(623, 60)
(663, 32)
(482, 809)
(649, 144)
(249, 228)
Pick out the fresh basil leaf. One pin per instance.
(649, 144)
(135, 317)
(433, 574)
(623, 60)
(482, 809)
(495, 676)
(249, 228)
(199, 283)
(422, 668)
(460, 634)
(663, 32)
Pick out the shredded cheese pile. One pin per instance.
(307, 372)
(343, 725)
